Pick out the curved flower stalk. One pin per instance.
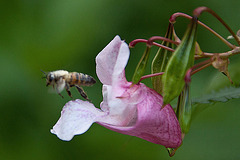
(127, 108)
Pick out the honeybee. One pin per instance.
(61, 79)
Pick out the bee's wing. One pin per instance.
(51, 90)
(60, 85)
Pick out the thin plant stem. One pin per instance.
(179, 14)
(201, 68)
(150, 75)
(201, 64)
(154, 38)
(198, 11)
(230, 53)
(134, 42)
(222, 55)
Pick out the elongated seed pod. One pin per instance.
(141, 67)
(184, 109)
(161, 59)
(181, 60)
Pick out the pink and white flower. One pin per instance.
(132, 109)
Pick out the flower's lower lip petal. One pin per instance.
(153, 124)
(76, 118)
(159, 133)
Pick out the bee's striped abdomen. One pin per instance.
(81, 79)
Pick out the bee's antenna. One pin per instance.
(44, 73)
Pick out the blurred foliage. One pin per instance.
(58, 34)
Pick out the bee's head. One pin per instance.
(50, 78)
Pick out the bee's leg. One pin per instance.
(68, 90)
(81, 91)
(59, 93)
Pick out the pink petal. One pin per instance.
(76, 118)
(112, 60)
(153, 124)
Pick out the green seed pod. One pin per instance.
(141, 67)
(184, 109)
(181, 60)
(161, 59)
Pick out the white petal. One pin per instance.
(112, 60)
(121, 62)
(76, 118)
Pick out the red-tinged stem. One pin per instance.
(154, 38)
(196, 57)
(222, 55)
(205, 54)
(201, 68)
(134, 42)
(150, 75)
(198, 11)
(179, 14)
(230, 53)
(201, 64)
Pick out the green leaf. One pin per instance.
(221, 96)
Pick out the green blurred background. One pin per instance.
(59, 34)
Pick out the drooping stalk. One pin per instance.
(198, 11)
(179, 14)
